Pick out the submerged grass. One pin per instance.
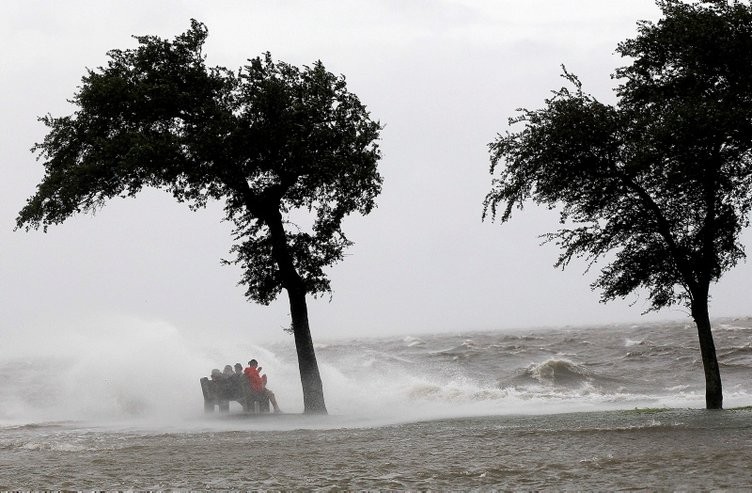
(656, 410)
(648, 410)
(741, 408)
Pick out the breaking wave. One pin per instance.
(126, 374)
(559, 372)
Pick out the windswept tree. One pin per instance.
(659, 185)
(274, 142)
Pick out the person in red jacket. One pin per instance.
(258, 382)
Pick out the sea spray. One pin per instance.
(147, 372)
(118, 369)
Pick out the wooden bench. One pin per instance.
(219, 392)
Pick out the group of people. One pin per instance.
(253, 373)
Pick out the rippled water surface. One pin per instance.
(575, 408)
(669, 449)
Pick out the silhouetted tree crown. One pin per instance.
(661, 178)
(660, 181)
(269, 139)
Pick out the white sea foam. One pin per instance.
(128, 369)
(135, 373)
(54, 446)
(413, 341)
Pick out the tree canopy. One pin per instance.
(659, 184)
(269, 140)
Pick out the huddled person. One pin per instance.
(229, 376)
(258, 383)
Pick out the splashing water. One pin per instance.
(148, 372)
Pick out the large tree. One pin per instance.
(658, 186)
(274, 142)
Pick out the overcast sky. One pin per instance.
(442, 76)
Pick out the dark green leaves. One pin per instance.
(661, 180)
(269, 141)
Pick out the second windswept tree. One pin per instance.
(662, 180)
(269, 141)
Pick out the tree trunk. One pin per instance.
(713, 388)
(313, 393)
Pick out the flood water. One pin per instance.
(575, 408)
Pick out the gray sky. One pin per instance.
(442, 76)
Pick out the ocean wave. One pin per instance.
(559, 372)
(676, 388)
(637, 342)
(649, 424)
(411, 341)
(744, 349)
(427, 399)
(650, 350)
(62, 444)
(55, 447)
(731, 328)
(736, 357)
(36, 425)
(462, 352)
(449, 393)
